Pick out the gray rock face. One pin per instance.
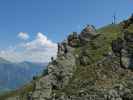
(106, 94)
(73, 40)
(62, 48)
(117, 46)
(88, 33)
(84, 60)
(124, 49)
(128, 47)
(127, 23)
(119, 92)
(43, 89)
(113, 95)
(61, 71)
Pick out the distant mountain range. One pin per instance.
(15, 75)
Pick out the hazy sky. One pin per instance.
(29, 25)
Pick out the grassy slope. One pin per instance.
(23, 90)
(96, 50)
(109, 33)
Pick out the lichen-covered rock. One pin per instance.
(85, 60)
(126, 23)
(43, 89)
(61, 71)
(123, 47)
(88, 33)
(113, 95)
(117, 46)
(73, 40)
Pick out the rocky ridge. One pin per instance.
(76, 75)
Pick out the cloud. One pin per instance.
(41, 49)
(40, 43)
(23, 35)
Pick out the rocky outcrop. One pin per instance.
(74, 70)
(123, 47)
(126, 23)
(73, 40)
(88, 33)
(42, 89)
(60, 71)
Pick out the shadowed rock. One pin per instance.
(88, 33)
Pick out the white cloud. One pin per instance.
(41, 42)
(41, 49)
(23, 35)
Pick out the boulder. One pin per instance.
(128, 36)
(43, 89)
(73, 40)
(113, 95)
(88, 33)
(123, 48)
(126, 23)
(117, 46)
(84, 60)
(61, 71)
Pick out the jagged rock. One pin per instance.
(73, 40)
(62, 48)
(62, 71)
(43, 89)
(123, 47)
(84, 60)
(117, 46)
(126, 23)
(128, 46)
(88, 33)
(84, 57)
(125, 59)
(128, 36)
(113, 95)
